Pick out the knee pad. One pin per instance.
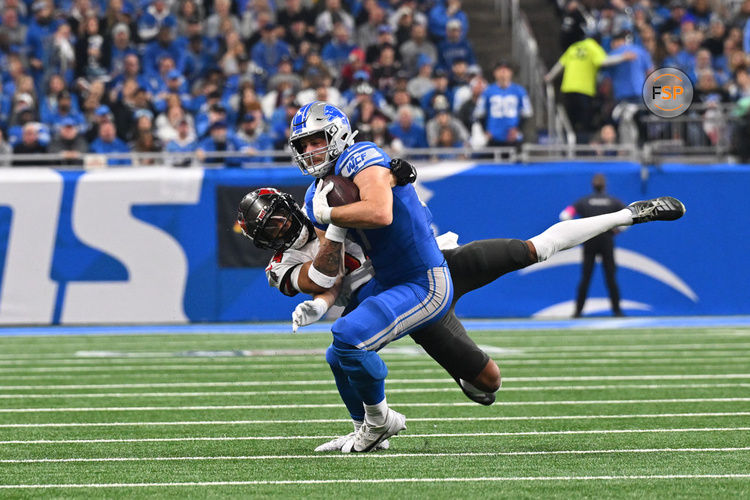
(360, 365)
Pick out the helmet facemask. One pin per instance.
(278, 225)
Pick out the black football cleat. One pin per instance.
(662, 208)
(483, 398)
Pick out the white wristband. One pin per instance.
(324, 217)
(320, 279)
(335, 233)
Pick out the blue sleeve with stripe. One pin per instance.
(309, 208)
(360, 156)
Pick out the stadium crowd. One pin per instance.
(181, 76)
(709, 40)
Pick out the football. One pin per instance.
(344, 190)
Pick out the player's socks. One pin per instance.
(569, 233)
(376, 414)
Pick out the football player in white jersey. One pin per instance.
(274, 221)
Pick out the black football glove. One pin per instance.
(404, 171)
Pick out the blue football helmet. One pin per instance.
(320, 118)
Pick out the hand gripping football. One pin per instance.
(344, 190)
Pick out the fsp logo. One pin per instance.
(668, 92)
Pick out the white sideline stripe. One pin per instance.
(323, 366)
(356, 456)
(444, 435)
(416, 419)
(423, 390)
(338, 405)
(412, 360)
(580, 378)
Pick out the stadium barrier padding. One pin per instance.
(158, 245)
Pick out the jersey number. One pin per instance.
(504, 106)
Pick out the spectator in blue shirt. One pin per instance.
(64, 111)
(156, 15)
(503, 106)
(251, 132)
(267, 53)
(120, 47)
(219, 139)
(108, 142)
(40, 27)
(454, 47)
(410, 134)
(336, 52)
(441, 14)
(164, 45)
(628, 76)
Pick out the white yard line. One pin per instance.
(420, 436)
(337, 405)
(379, 481)
(414, 419)
(419, 390)
(253, 383)
(249, 366)
(357, 456)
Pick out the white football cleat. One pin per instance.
(338, 443)
(368, 437)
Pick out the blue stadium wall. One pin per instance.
(158, 245)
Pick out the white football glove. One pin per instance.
(308, 312)
(321, 209)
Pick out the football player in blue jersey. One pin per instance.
(273, 220)
(412, 285)
(503, 106)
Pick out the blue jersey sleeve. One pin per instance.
(358, 157)
(309, 208)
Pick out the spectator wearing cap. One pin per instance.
(269, 51)
(121, 46)
(216, 113)
(69, 143)
(183, 142)
(422, 83)
(628, 76)
(107, 142)
(612, 19)
(41, 26)
(219, 139)
(156, 15)
(367, 32)
(441, 14)
(444, 119)
(356, 65)
(332, 13)
(503, 107)
(64, 110)
(163, 45)
(222, 12)
(385, 37)
(440, 86)
(198, 57)
(252, 133)
(410, 134)
(417, 45)
(24, 115)
(175, 85)
(336, 52)
(454, 47)
(30, 145)
(677, 13)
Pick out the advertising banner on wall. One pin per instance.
(161, 246)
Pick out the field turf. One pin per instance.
(640, 413)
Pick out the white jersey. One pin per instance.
(358, 268)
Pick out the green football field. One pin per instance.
(582, 413)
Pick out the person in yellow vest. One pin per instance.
(581, 62)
